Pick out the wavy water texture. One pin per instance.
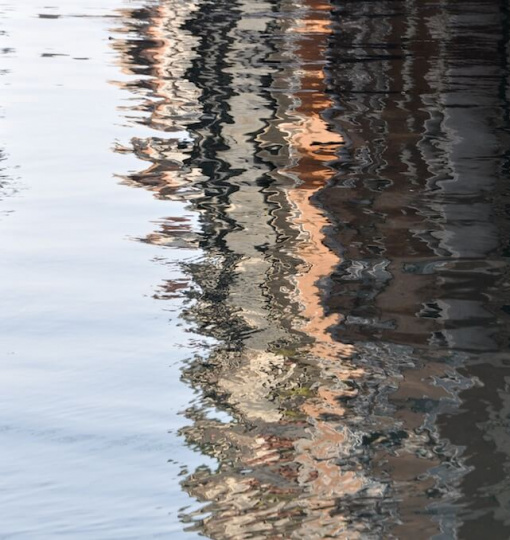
(347, 163)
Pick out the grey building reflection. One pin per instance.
(353, 275)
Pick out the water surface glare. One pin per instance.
(255, 275)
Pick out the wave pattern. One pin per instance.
(347, 163)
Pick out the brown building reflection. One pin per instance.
(352, 273)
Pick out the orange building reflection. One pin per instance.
(240, 107)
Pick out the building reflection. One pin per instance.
(348, 276)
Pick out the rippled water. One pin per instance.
(298, 327)
(90, 357)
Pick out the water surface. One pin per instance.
(277, 230)
(90, 358)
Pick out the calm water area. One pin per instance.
(255, 269)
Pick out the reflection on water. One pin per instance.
(348, 163)
(341, 167)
